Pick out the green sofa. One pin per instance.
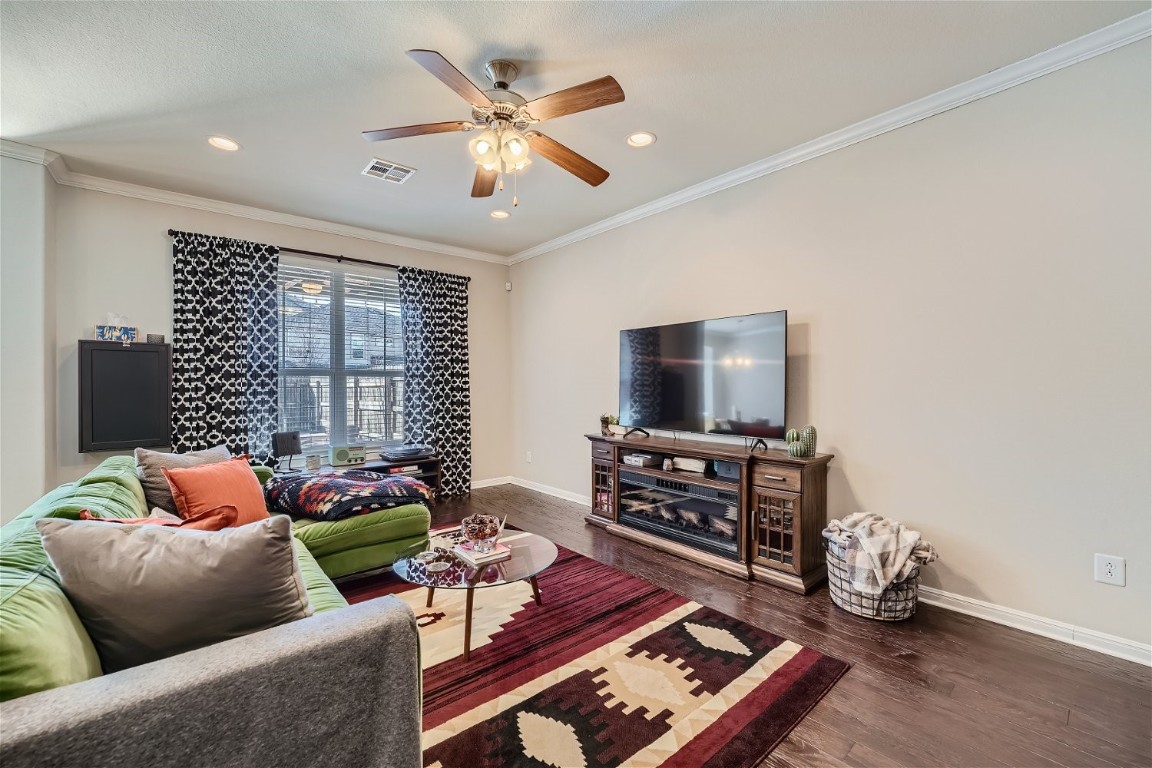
(358, 662)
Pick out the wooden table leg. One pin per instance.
(468, 624)
(535, 590)
(431, 591)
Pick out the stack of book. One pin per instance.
(465, 551)
(412, 469)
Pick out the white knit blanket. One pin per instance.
(879, 552)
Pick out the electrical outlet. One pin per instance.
(528, 456)
(1110, 569)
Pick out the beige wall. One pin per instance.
(115, 255)
(969, 315)
(27, 335)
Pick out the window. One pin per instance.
(341, 355)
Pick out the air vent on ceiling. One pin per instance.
(393, 172)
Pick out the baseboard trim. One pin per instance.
(1038, 625)
(551, 491)
(1101, 642)
(548, 489)
(491, 482)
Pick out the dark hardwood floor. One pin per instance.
(939, 689)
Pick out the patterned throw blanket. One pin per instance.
(879, 552)
(341, 493)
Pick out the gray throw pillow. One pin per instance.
(150, 466)
(145, 592)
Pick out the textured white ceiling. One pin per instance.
(130, 91)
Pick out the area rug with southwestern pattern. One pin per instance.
(610, 671)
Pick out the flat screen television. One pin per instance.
(125, 395)
(722, 377)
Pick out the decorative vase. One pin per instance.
(808, 440)
(605, 426)
(796, 448)
(791, 436)
(481, 530)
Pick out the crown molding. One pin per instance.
(1093, 44)
(25, 152)
(63, 175)
(95, 183)
(45, 157)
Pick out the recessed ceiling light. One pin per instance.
(641, 139)
(499, 214)
(224, 143)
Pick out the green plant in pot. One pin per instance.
(606, 422)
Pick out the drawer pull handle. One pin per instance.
(774, 477)
(601, 450)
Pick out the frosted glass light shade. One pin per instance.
(484, 148)
(513, 148)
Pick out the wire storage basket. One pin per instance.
(896, 603)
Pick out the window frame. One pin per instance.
(339, 376)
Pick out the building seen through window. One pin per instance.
(341, 355)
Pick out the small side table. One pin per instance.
(531, 554)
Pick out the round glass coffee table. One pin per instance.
(433, 565)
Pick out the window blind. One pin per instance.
(341, 354)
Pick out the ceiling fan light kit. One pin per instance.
(505, 117)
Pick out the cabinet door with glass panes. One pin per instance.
(776, 529)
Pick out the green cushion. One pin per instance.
(42, 645)
(322, 593)
(368, 558)
(363, 542)
(263, 474)
(379, 527)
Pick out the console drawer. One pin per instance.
(776, 476)
(601, 450)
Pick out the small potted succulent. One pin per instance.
(606, 422)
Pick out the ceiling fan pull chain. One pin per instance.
(515, 188)
(500, 182)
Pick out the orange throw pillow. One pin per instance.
(208, 486)
(215, 519)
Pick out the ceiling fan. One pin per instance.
(505, 120)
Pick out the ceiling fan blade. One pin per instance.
(450, 76)
(417, 130)
(577, 165)
(590, 95)
(484, 183)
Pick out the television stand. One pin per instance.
(633, 430)
(760, 518)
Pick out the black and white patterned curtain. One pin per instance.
(437, 399)
(224, 337)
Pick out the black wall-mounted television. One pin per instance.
(125, 395)
(725, 376)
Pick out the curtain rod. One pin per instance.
(338, 259)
